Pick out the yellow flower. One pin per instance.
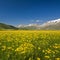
(10, 48)
(56, 46)
(39, 48)
(48, 51)
(43, 51)
(57, 58)
(3, 48)
(38, 58)
(26, 47)
(47, 56)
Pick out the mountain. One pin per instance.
(5, 26)
(49, 25)
(29, 26)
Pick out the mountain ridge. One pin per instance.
(49, 25)
(4, 26)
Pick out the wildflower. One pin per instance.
(26, 47)
(47, 56)
(43, 51)
(3, 48)
(39, 48)
(38, 58)
(57, 58)
(9, 47)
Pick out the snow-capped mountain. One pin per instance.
(54, 21)
(28, 25)
(49, 25)
(52, 24)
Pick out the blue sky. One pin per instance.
(28, 11)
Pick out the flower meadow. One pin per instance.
(29, 45)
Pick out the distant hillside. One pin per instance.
(5, 26)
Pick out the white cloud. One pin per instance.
(37, 20)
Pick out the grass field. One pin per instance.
(29, 45)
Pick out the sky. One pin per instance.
(17, 12)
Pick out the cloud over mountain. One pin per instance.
(49, 25)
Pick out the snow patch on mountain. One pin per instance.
(28, 25)
(54, 21)
(48, 24)
(51, 22)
